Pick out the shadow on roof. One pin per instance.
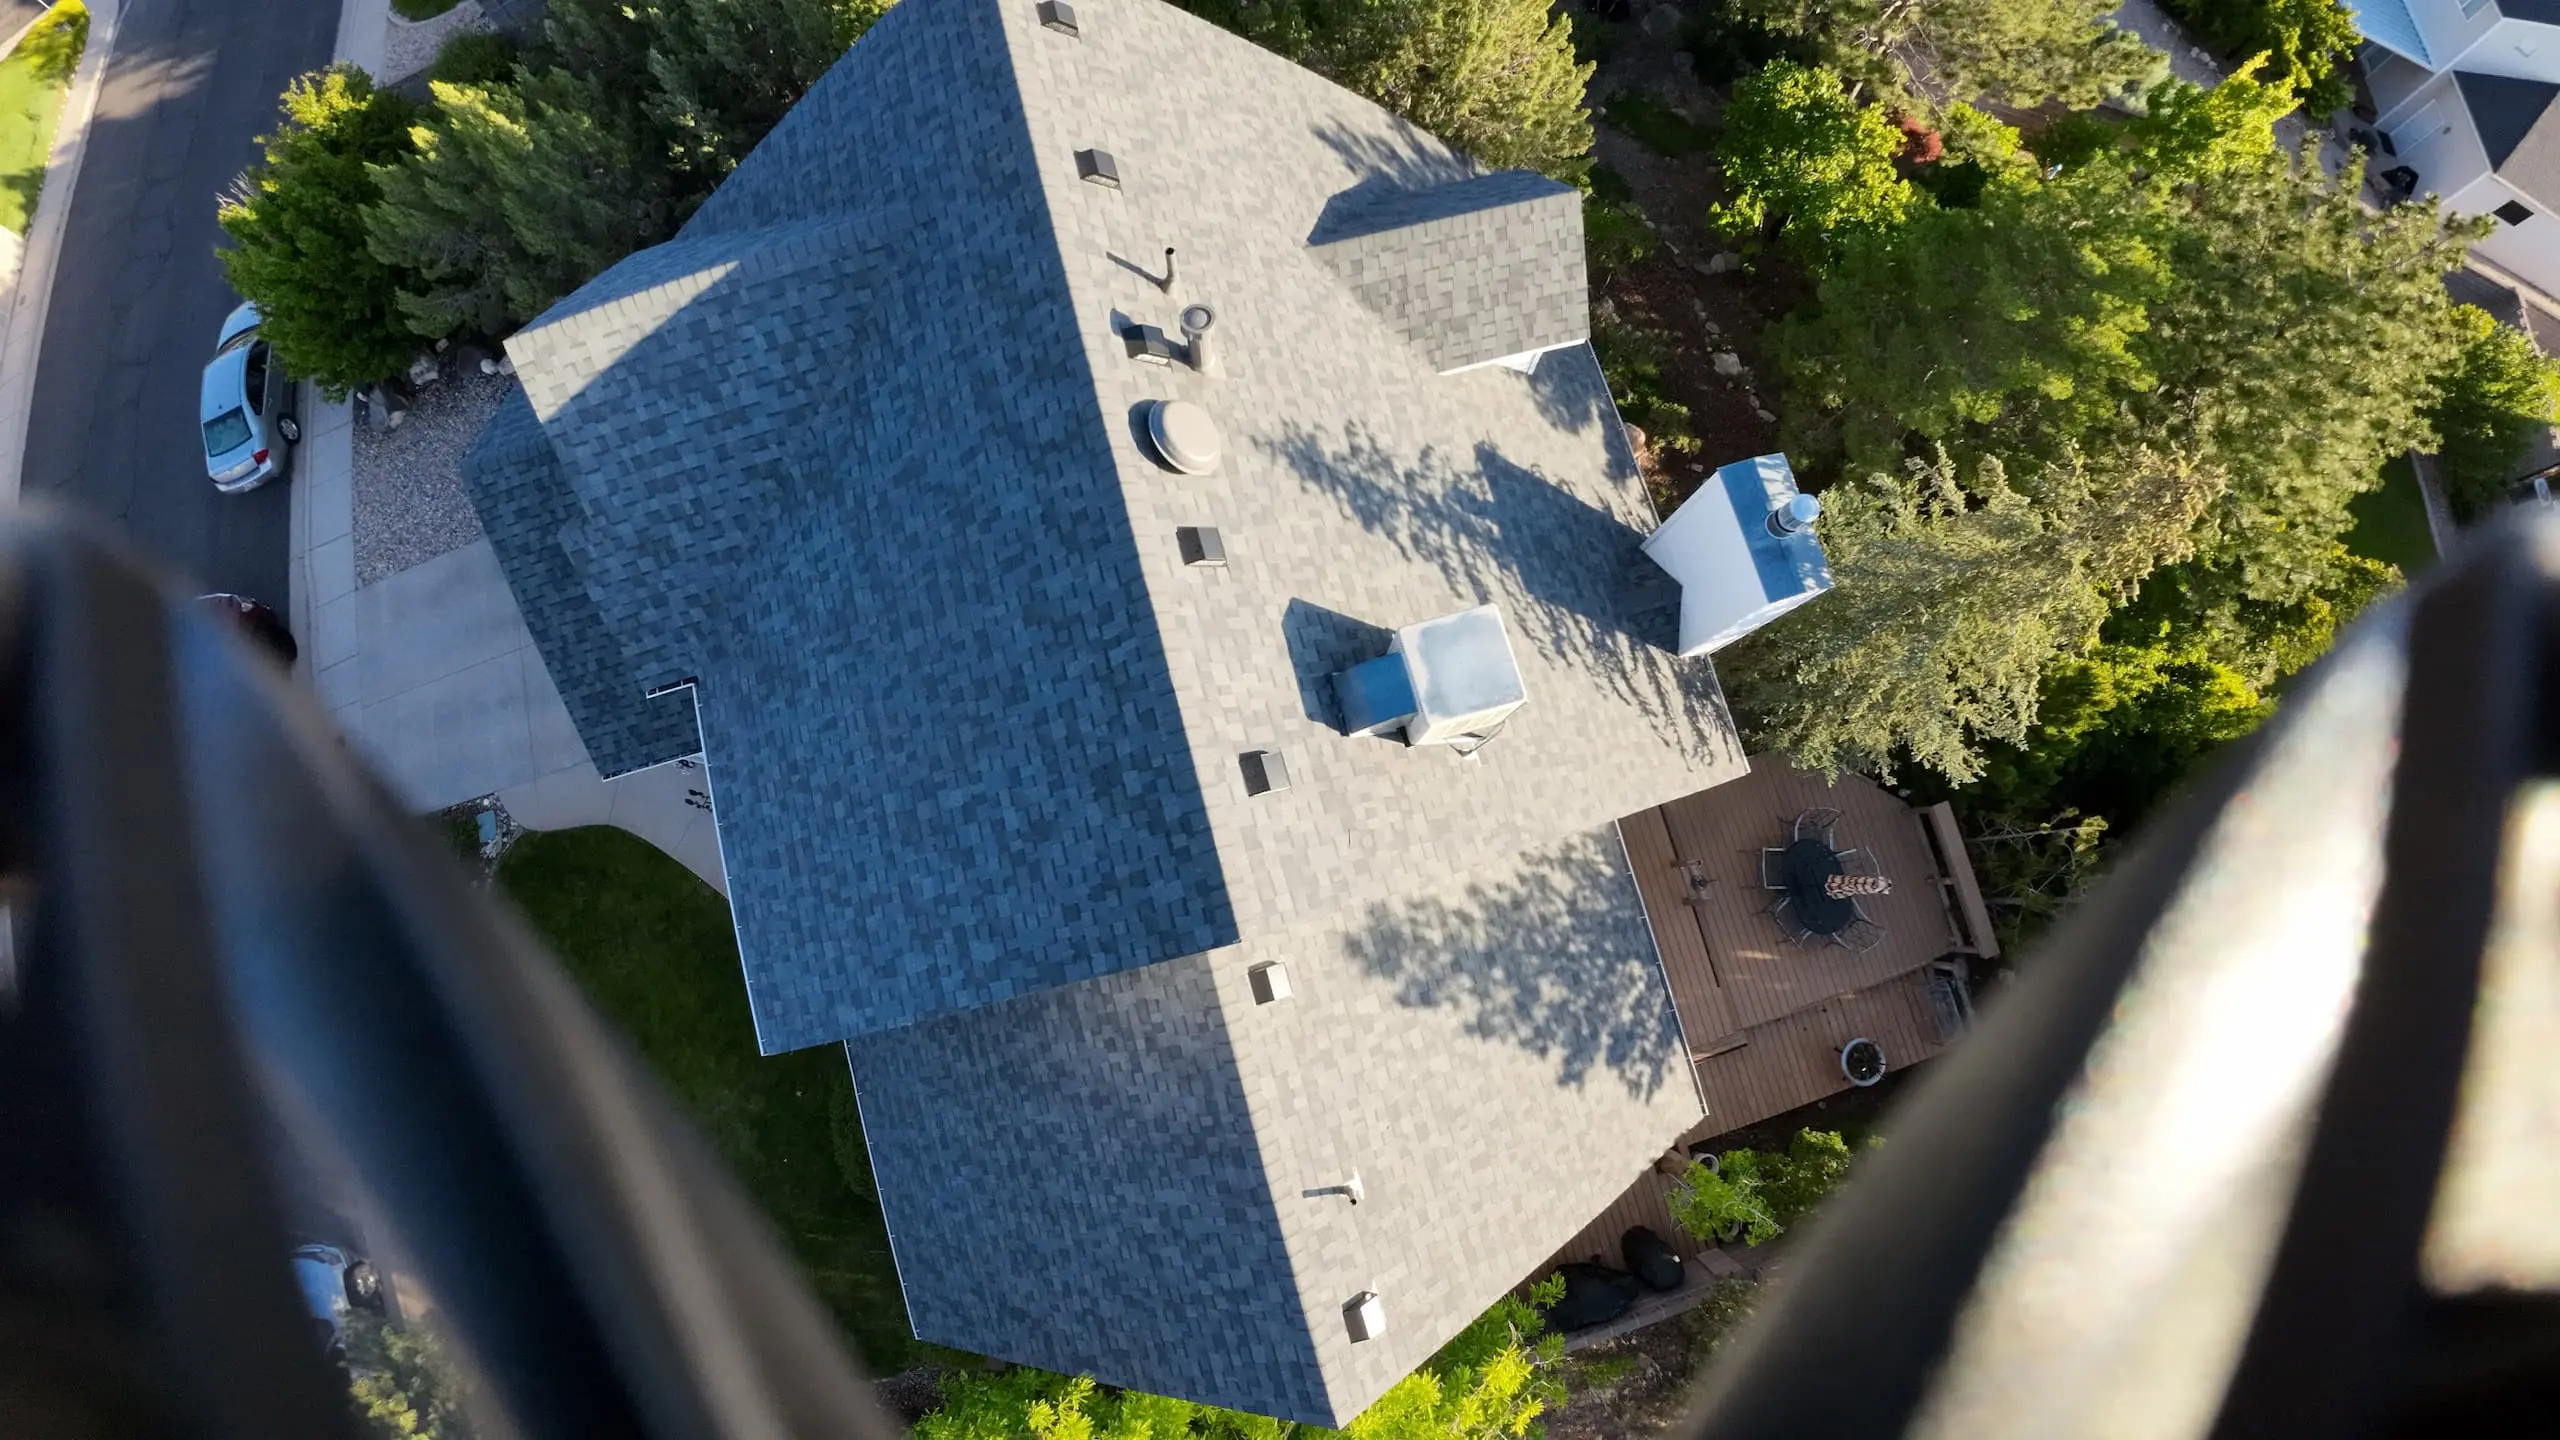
(1555, 960)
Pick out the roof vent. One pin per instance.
(1098, 167)
(1201, 545)
(1270, 983)
(1264, 771)
(1351, 1190)
(1796, 515)
(1365, 1316)
(1147, 343)
(1196, 320)
(1451, 681)
(1743, 550)
(1183, 435)
(1058, 15)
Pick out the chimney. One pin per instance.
(1451, 681)
(1744, 551)
(1196, 320)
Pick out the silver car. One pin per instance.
(246, 408)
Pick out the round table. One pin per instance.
(1806, 864)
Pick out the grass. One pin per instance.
(1657, 126)
(652, 947)
(32, 81)
(422, 9)
(2391, 521)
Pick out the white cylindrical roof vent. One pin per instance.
(1795, 515)
(1196, 320)
(1184, 436)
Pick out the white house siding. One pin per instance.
(2434, 136)
(2448, 33)
(2531, 251)
(2395, 83)
(2521, 49)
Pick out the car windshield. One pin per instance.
(226, 432)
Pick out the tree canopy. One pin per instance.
(1797, 149)
(2498, 391)
(296, 233)
(2013, 52)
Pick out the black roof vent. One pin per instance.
(1058, 15)
(1147, 343)
(1264, 771)
(1098, 167)
(1201, 545)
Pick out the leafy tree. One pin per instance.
(2190, 133)
(2498, 392)
(514, 195)
(1758, 1192)
(1493, 1379)
(707, 78)
(2119, 727)
(2014, 52)
(1797, 149)
(1953, 597)
(2260, 641)
(403, 1385)
(295, 226)
(2311, 41)
(1975, 150)
(1495, 78)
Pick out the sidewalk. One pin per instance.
(431, 672)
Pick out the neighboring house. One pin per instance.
(1054, 669)
(2465, 90)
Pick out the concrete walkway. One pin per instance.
(431, 673)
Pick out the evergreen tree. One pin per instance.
(2014, 52)
(296, 232)
(1798, 150)
(515, 195)
(2498, 391)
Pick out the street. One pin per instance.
(138, 293)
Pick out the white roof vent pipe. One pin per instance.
(1744, 551)
(1196, 320)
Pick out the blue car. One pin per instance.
(246, 407)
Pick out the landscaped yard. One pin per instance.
(32, 81)
(2391, 522)
(652, 947)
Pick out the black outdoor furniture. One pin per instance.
(1593, 1295)
(1805, 865)
(1652, 1259)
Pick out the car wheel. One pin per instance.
(364, 1288)
(289, 428)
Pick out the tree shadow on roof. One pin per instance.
(1404, 159)
(1555, 960)
(1506, 534)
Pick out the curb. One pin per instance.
(26, 294)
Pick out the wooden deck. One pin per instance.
(1764, 1019)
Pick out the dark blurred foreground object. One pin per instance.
(2263, 1143)
(2266, 1140)
(258, 621)
(220, 925)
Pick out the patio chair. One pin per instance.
(1795, 930)
(1816, 825)
(1772, 868)
(1861, 934)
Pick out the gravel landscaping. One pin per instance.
(410, 503)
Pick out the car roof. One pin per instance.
(225, 383)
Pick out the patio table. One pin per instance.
(1805, 865)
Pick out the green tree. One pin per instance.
(295, 227)
(1797, 149)
(2013, 52)
(1495, 78)
(2311, 41)
(1757, 1194)
(2190, 133)
(2118, 728)
(514, 195)
(2498, 391)
(403, 1385)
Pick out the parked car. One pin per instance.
(332, 1283)
(246, 408)
(2532, 490)
(256, 620)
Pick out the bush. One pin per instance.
(296, 226)
(1614, 236)
(1655, 125)
(2500, 391)
(475, 57)
(54, 42)
(1762, 1192)
(1632, 358)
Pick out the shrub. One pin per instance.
(295, 223)
(54, 42)
(1614, 236)
(475, 57)
(1655, 125)
(1761, 1192)
(2501, 390)
(1632, 358)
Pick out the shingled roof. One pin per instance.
(859, 456)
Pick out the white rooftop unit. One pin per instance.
(1743, 550)
(1449, 681)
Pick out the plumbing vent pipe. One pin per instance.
(1196, 320)
(1794, 516)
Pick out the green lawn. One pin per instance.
(2391, 522)
(652, 947)
(32, 81)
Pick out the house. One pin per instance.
(1172, 622)
(2463, 92)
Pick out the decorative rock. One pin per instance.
(425, 371)
(1704, 267)
(1723, 261)
(1763, 413)
(488, 365)
(1728, 364)
(1661, 22)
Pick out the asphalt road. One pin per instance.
(138, 294)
